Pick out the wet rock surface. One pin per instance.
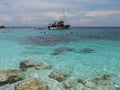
(10, 76)
(58, 75)
(29, 65)
(31, 84)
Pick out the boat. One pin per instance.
(57, 25)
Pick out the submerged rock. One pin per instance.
(67, 84)
(81, 81)
(90, 84)
(31, 84)
(10, 76)
(102, 82)
(61, 50)
(87, 50)
(105, 82)
(105, 77)
(109, 88)
(58, 75)
(29, 65)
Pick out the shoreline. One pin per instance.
(62, 78)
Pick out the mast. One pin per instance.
(63, 15)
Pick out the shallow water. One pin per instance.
(84, 52)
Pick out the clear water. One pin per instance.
(21, 44)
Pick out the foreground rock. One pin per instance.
(58, 75)
(10, 76)
(101, 82)
(31, 84)
(29, 65)
(68, 85)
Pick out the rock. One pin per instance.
(117, 86)
(101, 80)
(90, 84)
(31, 84)
(58, 75)
(96, 80)
(105, 77)
(104, 82)
(2, 26)
(108, 88)
(29, 65)
(10, 76)
(71, 89)
(81, 81)
(67, 84)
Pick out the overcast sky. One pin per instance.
(77, 12)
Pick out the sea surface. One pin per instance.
(84, 52)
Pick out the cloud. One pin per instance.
(41, 12)
(6, 19)
(57, 15)
(101, 13)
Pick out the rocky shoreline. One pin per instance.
(21, 81)
(2, 26)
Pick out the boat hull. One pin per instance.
(54, 28)
(58, 28)
(57, 25)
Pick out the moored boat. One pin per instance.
(56, 25)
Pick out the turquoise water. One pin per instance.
(103, 58)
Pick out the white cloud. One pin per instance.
(85, 21)
(57, 15)
(5, 18)
(101, 13)
(77, 12)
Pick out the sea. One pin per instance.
(85, 52)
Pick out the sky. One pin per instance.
(77, 12)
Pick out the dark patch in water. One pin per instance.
(51, 40)
(61, 50)
(48, 40)
(87, 50)
(33, 52)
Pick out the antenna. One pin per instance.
(63, 15)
